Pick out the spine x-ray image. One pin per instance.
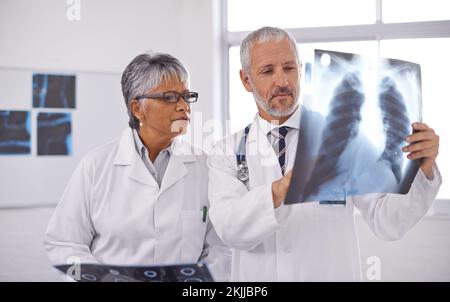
(54, 133)
(53, 91)
(15, 132)
(353, 128)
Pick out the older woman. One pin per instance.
(141, 199)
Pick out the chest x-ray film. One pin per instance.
(353, 128)
(192, 272)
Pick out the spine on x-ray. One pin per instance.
(396, 125)
(341, 126)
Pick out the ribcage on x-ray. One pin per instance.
(341, 126)
(396, 124)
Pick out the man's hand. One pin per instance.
(423, 144)
(280, 188)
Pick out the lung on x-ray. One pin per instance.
(353, 128)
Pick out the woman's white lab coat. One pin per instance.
(113, 211)
(302, 242)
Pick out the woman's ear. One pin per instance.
(136, 110)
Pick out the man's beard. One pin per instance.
(266, 105)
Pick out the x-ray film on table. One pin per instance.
(353, 128)
(189, 272)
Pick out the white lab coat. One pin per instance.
(301, 242)
(113, 211)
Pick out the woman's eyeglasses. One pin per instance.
(171, 96)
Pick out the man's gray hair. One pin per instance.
(146, 72)
(261, 35)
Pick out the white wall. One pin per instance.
(37, 36)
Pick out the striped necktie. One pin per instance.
(279, 145)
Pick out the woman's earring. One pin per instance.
(141, 124)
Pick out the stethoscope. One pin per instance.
(242, 173)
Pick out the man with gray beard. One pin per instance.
(249, 174)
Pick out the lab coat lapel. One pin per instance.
(262, 160)
(128, 156)
(139, 172)
(176, 169)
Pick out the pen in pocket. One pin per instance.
(205, 211)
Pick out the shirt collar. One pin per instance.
(140, 147)
(292, 122)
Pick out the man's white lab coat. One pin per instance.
(301, 242)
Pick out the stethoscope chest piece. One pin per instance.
(242, 173)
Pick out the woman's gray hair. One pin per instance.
(261, 35)
(146, 72)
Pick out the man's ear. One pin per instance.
(136, 110)
(245, 80)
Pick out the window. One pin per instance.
(298, 13)
(418, 10)
(369, 27)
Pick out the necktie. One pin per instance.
(279, 145)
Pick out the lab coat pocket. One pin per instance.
(327, 210)
(335, 213)
(193, 230)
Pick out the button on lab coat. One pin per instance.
(113, 211)
(302, 242)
